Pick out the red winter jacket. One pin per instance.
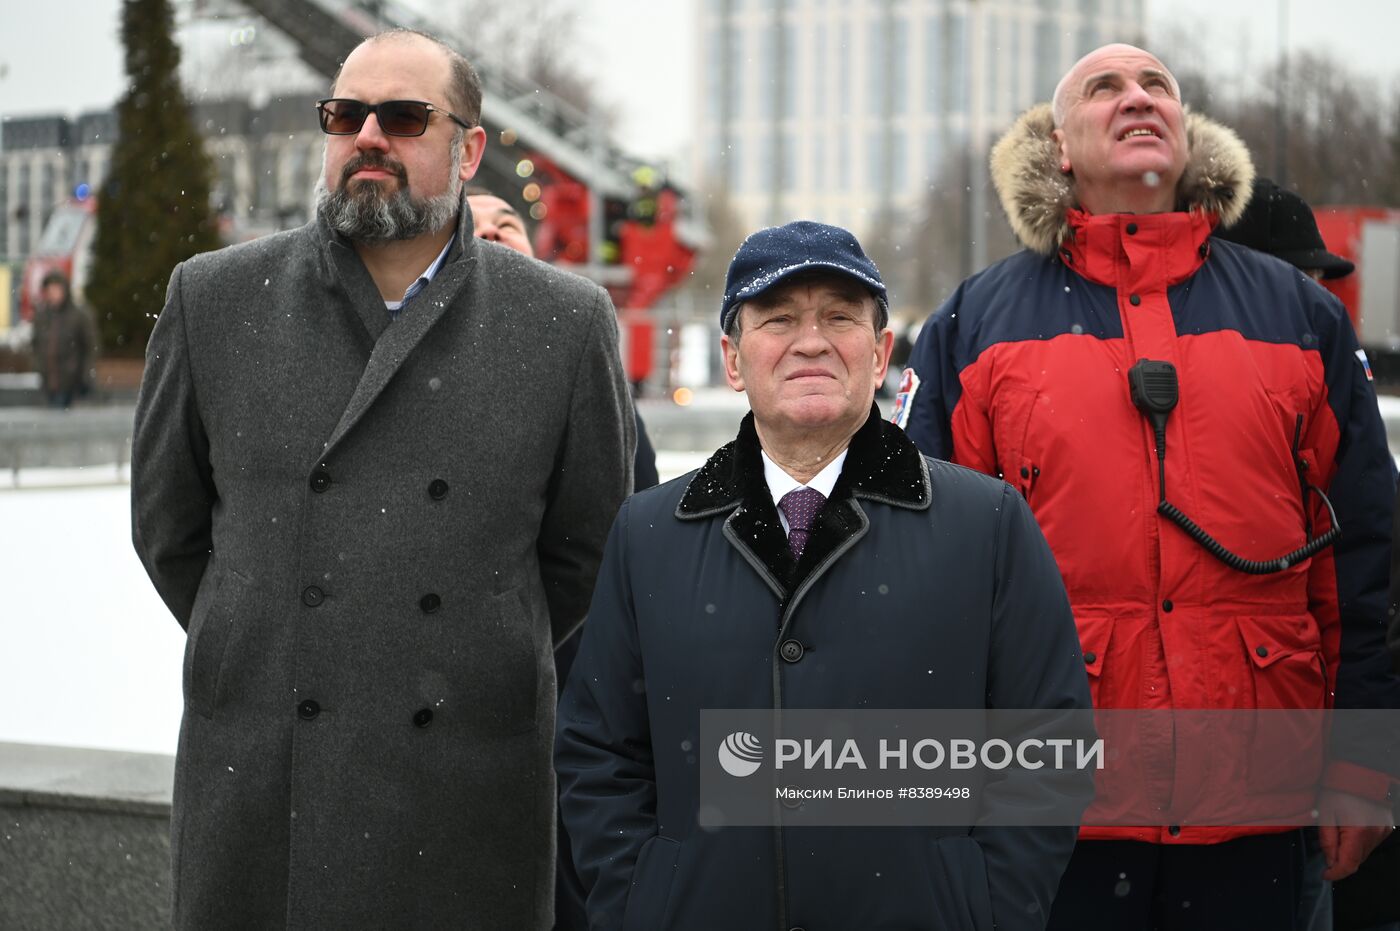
(1024, 373)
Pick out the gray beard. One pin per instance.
(362, 212)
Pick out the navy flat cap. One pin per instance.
(770, 256)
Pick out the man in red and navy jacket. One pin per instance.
(1024, 373)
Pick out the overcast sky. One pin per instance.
(64, 55)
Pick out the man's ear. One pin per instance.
(473, 147)
(730, 348)
(884, 346)
(1059, 136)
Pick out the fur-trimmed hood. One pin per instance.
(1037, 197)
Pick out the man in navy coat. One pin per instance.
(817, 561)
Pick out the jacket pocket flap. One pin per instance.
(1268, 639)
(1095, 631)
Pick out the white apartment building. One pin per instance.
(848, 110)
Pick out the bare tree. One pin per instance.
(726, 231)
(537, 41)
(1311, 123)
(1390, 188)
(939, 256)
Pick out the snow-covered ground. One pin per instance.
(89, 655)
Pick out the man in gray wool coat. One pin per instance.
(374, 465)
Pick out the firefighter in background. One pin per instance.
(65, 343)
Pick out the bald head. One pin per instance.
(1121, 131)
(1072, 85)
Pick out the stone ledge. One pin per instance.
(86, 780)
(84, 839)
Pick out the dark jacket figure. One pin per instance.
(901, 600)
(644, 474)
(569, 912)
(65, 343)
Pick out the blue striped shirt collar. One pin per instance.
(422, 282)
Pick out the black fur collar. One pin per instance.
(882, 464)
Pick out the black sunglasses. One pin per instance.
(342, 116)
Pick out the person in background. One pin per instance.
(497, 221)
(1278, 222)
(374, 464)
(65, 343)
(1249, 373)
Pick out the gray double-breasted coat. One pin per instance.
(373, 533)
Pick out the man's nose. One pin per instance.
(370, 135)
(811, 340)
(1136, 97)
(489, 231)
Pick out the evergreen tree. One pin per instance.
(153, 209)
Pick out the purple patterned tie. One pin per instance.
(800, 506)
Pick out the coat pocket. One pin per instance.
(1285, 661)
(1095, 633)
(506, 668)
(961, 897)
(1013, 408)
(213, 623)
(1284, 752)
(651, 884)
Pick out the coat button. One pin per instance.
(1174, 830)
(429, 603)
(437, 489)
(1131, 229)
(1167, 606)
(320, 480)
(422, 717)
(311, 596)
(1134, 299)
(1261, 651)
(1090, 657)
(308, 709)
(791, 650)
(1025, 472)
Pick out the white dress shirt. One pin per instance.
(780, 483)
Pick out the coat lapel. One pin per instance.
(732, 481)
(882, 465)
(394, 343)
(366, 306)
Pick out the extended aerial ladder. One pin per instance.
(600, 212)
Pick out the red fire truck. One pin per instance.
(1370, 237)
